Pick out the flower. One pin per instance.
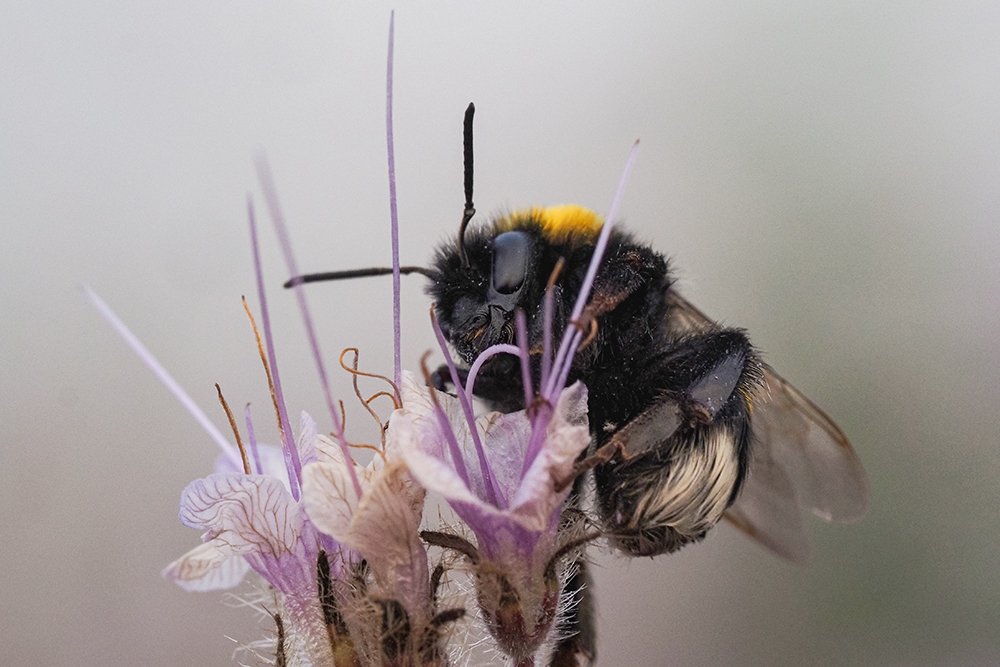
(382, 526)
(340, 543)
(251, 518)
(517, 536)
(252, 521)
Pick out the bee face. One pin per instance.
(487, 292)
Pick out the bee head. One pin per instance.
(476, 303)
(480, 280)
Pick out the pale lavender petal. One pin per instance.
(445, 435)
(534, 499)
(432, 472)
(567, 435)
(329, 498)
(257, 518)
(328, 451)
(307, 438)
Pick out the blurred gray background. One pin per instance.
(826, 175)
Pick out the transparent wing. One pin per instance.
(801, 460)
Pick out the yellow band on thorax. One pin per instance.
(561, 222)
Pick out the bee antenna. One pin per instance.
(355, 273)
(470, 209)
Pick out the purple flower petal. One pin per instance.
(534, 500)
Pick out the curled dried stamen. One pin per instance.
(355, 373)
(377, 450)
(395, 406)
(353, 370)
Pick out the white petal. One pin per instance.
(211, 566)
(566, 437)
(329, 497)
(307, 437)
(385, 530)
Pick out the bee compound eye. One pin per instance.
(510, 261)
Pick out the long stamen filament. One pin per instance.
(162, 375)
(271, 197)
(453, 447)
(393, 214)
(292, 462)
(567, 347)
(483, 357)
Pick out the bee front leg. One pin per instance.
(441, 377)
(498, 384)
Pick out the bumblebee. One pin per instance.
(701, 429)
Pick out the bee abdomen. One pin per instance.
(680, 462)
(668, 506)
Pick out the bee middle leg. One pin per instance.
(702, 378)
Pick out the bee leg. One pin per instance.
(725, 371)
(441, 377)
